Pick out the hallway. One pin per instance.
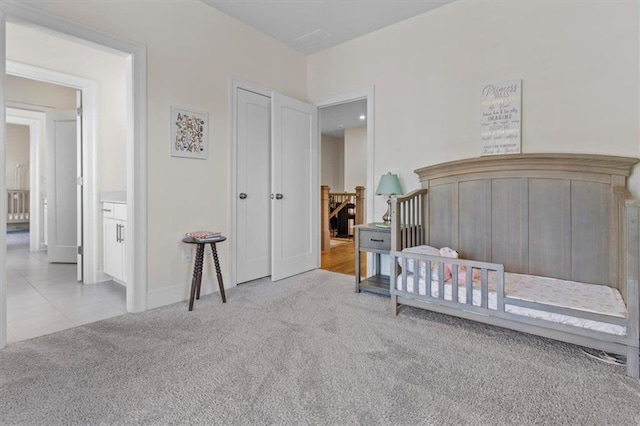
(43, 298)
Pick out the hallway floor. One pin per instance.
(341, 258)
(44, 297)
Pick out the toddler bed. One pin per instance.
(549, 244)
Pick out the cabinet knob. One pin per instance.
(242, 196)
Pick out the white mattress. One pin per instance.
(568, 294)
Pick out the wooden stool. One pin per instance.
(197, 267)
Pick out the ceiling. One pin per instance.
(345, 115)
(313, 25)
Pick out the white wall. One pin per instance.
(34, 95)
(30, 46)
(332, 163)
(17, 153)
(355, 158)
(193, 51)
(31, 94)
(578, 61)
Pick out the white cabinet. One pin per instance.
(114, 225)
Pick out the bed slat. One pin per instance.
(484, 289)
(454, 284)
(403, 282)
(428, 278)
(469, 289)
(500, 291)
(440, 280)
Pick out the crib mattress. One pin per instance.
(550, 291)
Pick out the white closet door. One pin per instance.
(61, 187)
(295, 187)
(253, 184)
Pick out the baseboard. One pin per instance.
(179, 293)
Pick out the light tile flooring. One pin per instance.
(44, 297)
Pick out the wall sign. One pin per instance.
(500, 119)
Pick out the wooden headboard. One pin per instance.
(555, 215)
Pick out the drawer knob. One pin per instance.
(377, 241)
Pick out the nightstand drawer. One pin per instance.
(375, 240)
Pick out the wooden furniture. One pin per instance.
(565, 216)
(196, 281)
(114, 226)
(373, 239)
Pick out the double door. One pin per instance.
(276, 204)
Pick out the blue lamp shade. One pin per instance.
(389, 185)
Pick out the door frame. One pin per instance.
(89, 221)
(367, 93)
(236, 83)
(136, 63)
(36, 121)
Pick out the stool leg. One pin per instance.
(218, 273)
(201, 258)
(197, 274)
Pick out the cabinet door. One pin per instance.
(112, 249)
(123, 250)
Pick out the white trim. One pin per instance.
(236, 83)
(90, 210)
(3, 184)
(136, 144)
(36, 122)
(180, 293)
(367, 93)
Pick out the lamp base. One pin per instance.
(386, 219)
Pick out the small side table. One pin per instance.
(373, 239)
(197, 267)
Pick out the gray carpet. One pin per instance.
(306, 350)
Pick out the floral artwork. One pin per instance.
(189, 131)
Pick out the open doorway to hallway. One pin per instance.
(343, 177)
(45, 292)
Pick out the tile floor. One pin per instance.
(44, 297)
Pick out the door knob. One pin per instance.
(279, 196)
(242, 195)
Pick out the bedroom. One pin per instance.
(580, 92)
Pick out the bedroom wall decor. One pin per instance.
(189, 133)
(500, 118)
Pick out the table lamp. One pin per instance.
(389, 185)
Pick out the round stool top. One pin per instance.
(190, 240)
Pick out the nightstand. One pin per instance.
(372, 239)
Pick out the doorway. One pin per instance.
(50, 290)
(135, 110)
(353, 111)
(343, 176)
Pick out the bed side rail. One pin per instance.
(419, 287)
(408, 219)
(459, 267)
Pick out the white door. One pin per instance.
(79, 188)
(61, 187)
(295, 187)
(253, 215)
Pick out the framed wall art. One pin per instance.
(189, 133)
(501, 118)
